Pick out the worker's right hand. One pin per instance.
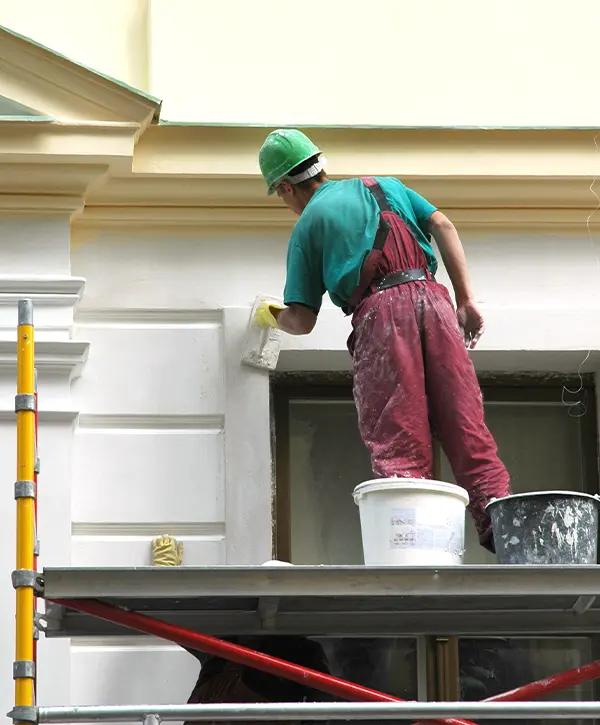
(264, 316)
(470, 321)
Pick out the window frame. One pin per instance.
(524, 389)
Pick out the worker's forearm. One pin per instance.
(453, 256)
(296, 320)
(288, 322)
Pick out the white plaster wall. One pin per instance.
(539, 292)
(173, 435)
(174, 432)
(149, 452)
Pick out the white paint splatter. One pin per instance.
(568, 518)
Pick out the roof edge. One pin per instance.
(55, 68)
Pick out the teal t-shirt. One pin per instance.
(336, 232)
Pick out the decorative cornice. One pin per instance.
(50, 168)
(86, 144)
(49, 82)
(154, 217)
(41, 285)
(226, 151)
(532, 219)
(201, 216)
(44, 292)
(68, 180)
(40, 204)
(52, 356)
(54, 300)
(446, 191)
(209, 176)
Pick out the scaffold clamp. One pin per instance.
(24, 713)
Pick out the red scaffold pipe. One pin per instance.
(235, 653)
(547, 686)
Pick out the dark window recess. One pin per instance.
(488, 667)
(386, 664)
(320, 458)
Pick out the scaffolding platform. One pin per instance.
(335, 600)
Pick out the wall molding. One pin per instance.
(208, 176)
(147, 317)
(212, 529)
(231, 152)
(43, 286)
(46, 414)
(209, 190)
(51, 356)
(152, 218)
(154, 423)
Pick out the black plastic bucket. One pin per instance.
(546, 527)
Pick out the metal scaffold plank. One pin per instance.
(337, 600)
(186, 582)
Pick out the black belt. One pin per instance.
(393, 280)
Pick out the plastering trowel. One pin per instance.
(262, 344)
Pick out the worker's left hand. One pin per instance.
(470, 321)
(264, 316)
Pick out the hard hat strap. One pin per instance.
(312, 170)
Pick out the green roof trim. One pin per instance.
(368, 127)
(125, 86)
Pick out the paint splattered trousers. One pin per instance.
(414, 379)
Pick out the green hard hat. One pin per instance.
(282, 151)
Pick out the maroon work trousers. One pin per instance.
(413, 378)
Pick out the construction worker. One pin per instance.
(366, 241)
(223, 681)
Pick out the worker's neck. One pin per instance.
(305, 195)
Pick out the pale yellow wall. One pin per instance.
(346, 62)
(109, 36)
(421, 62)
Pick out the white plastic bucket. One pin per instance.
(411, 522)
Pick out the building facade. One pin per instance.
(138, 223)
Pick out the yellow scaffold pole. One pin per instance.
(24, 575)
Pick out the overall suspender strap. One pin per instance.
(383, 228)
(369, 268)
(368, 274)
